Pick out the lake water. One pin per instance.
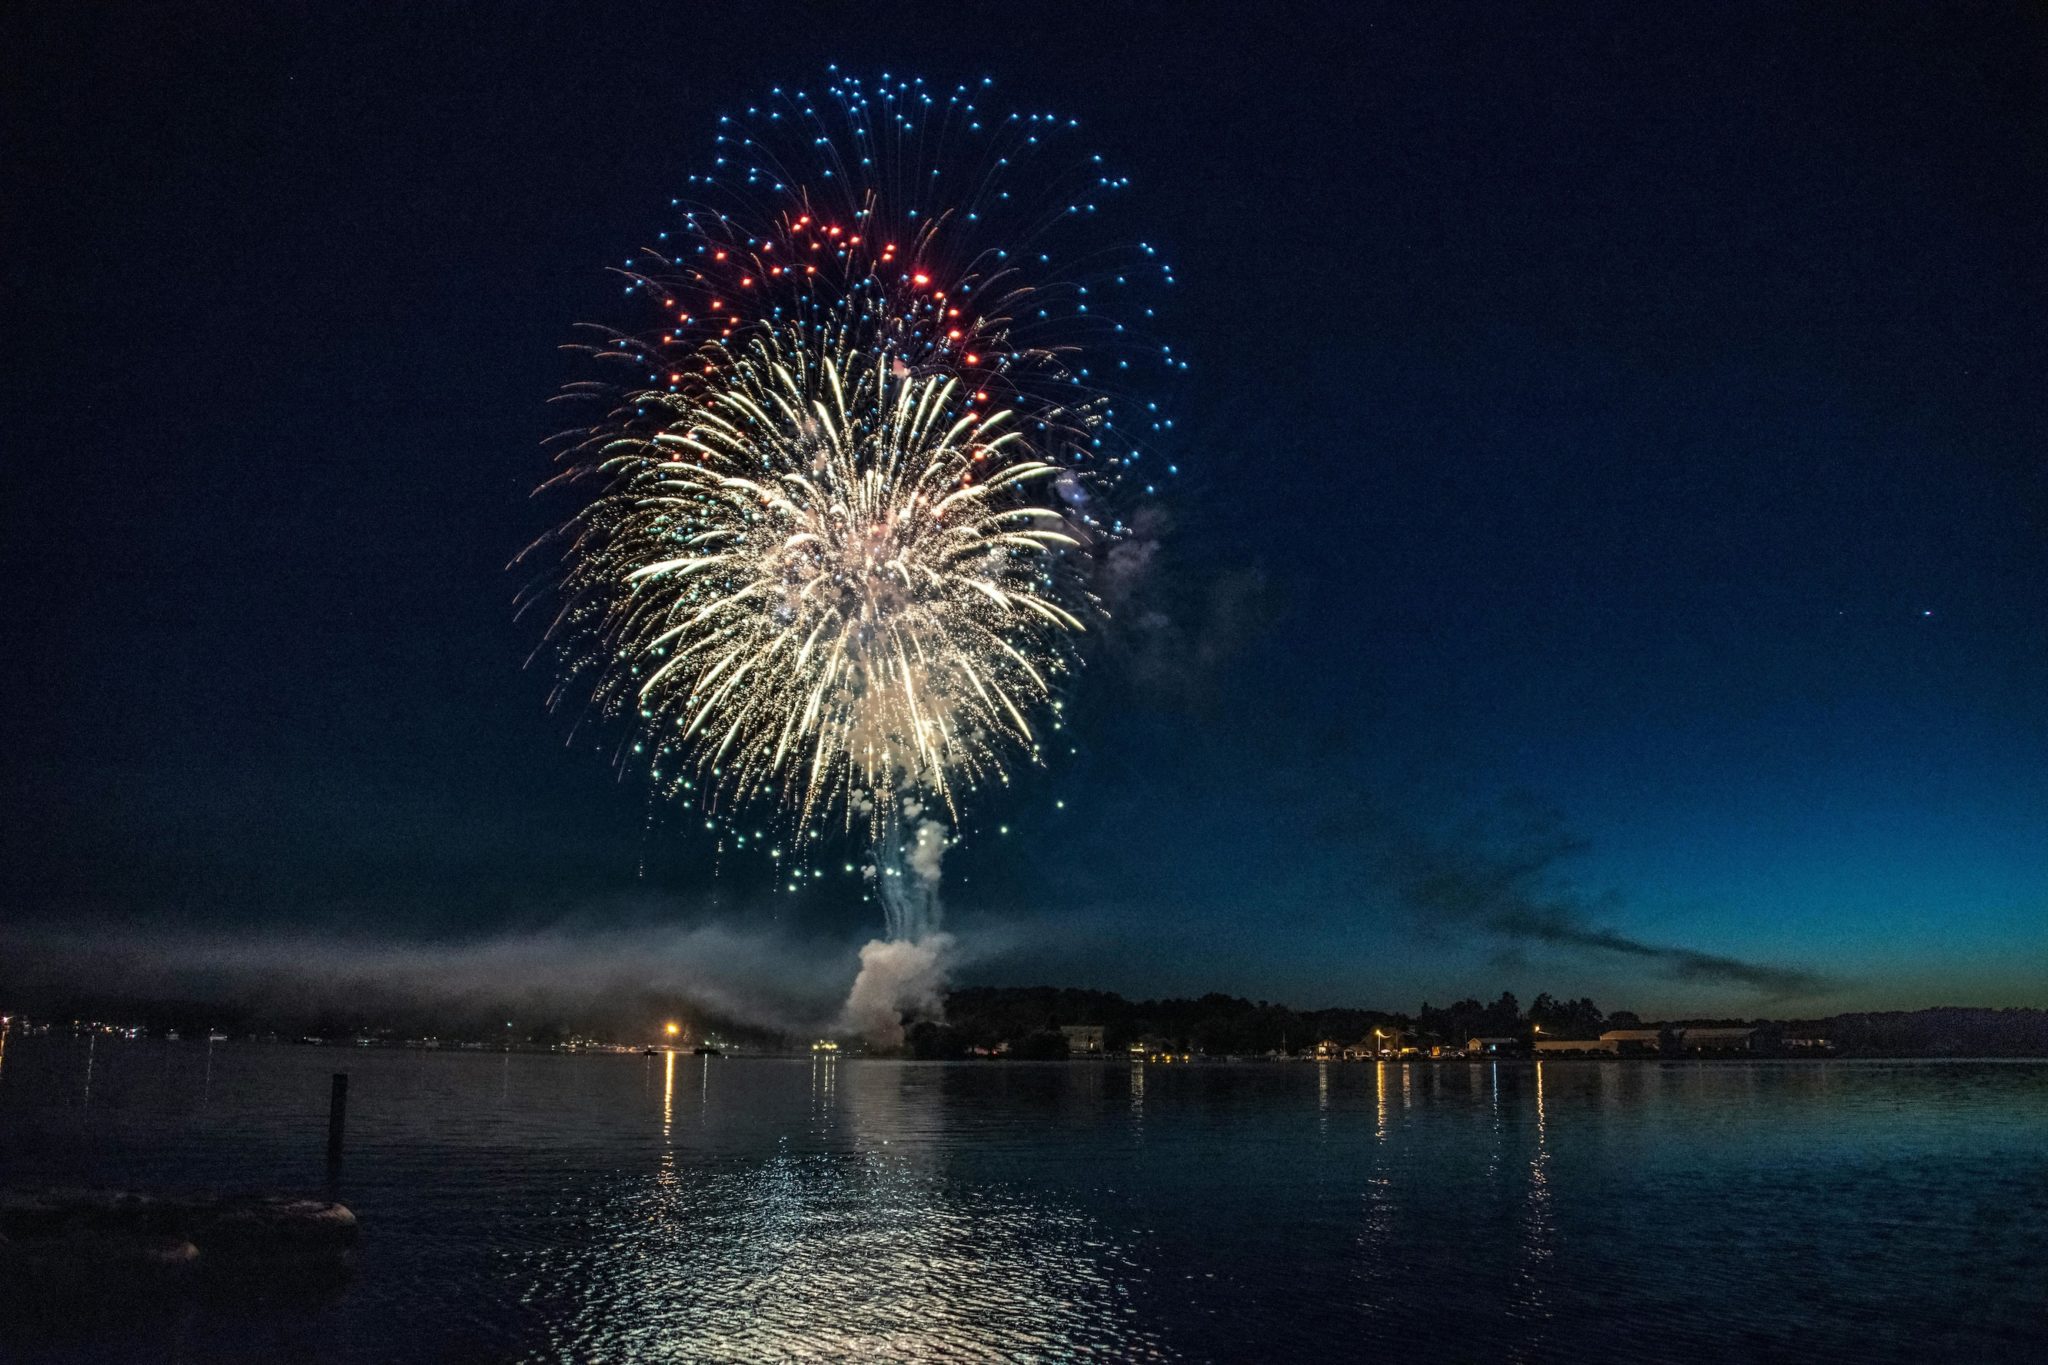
(606, 1208)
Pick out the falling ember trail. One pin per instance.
(906, 870)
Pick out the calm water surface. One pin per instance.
(685, 1209)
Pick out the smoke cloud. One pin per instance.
(617, 979)
(1174, 629)
(898, 978)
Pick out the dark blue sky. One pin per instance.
(1611, 556)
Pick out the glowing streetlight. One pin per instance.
(671, 1028)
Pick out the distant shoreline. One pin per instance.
(340, 1048)
(1053, 1024)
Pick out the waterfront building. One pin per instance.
(1492, 1047)
(1717, 1039)
(1575, 1046)
(1152, 1048)
(1628, 1042)
(1083, 1040)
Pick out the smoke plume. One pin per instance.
(903, 975)
(904, 869)
(898, 978)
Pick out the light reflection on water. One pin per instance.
(846, 1241)
(691, 1208)
(1533, 1275)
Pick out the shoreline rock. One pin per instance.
(121, 1242)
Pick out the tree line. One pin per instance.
(1025, 1022)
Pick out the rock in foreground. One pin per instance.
(98, 1242)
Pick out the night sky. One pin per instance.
(1612, 555)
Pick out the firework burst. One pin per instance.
(838, 520)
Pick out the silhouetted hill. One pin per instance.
(1945, 1031)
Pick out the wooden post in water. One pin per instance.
(337, 1114)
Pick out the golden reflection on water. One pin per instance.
(665, 1163)
(668, 1096)
(1379, 1131)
